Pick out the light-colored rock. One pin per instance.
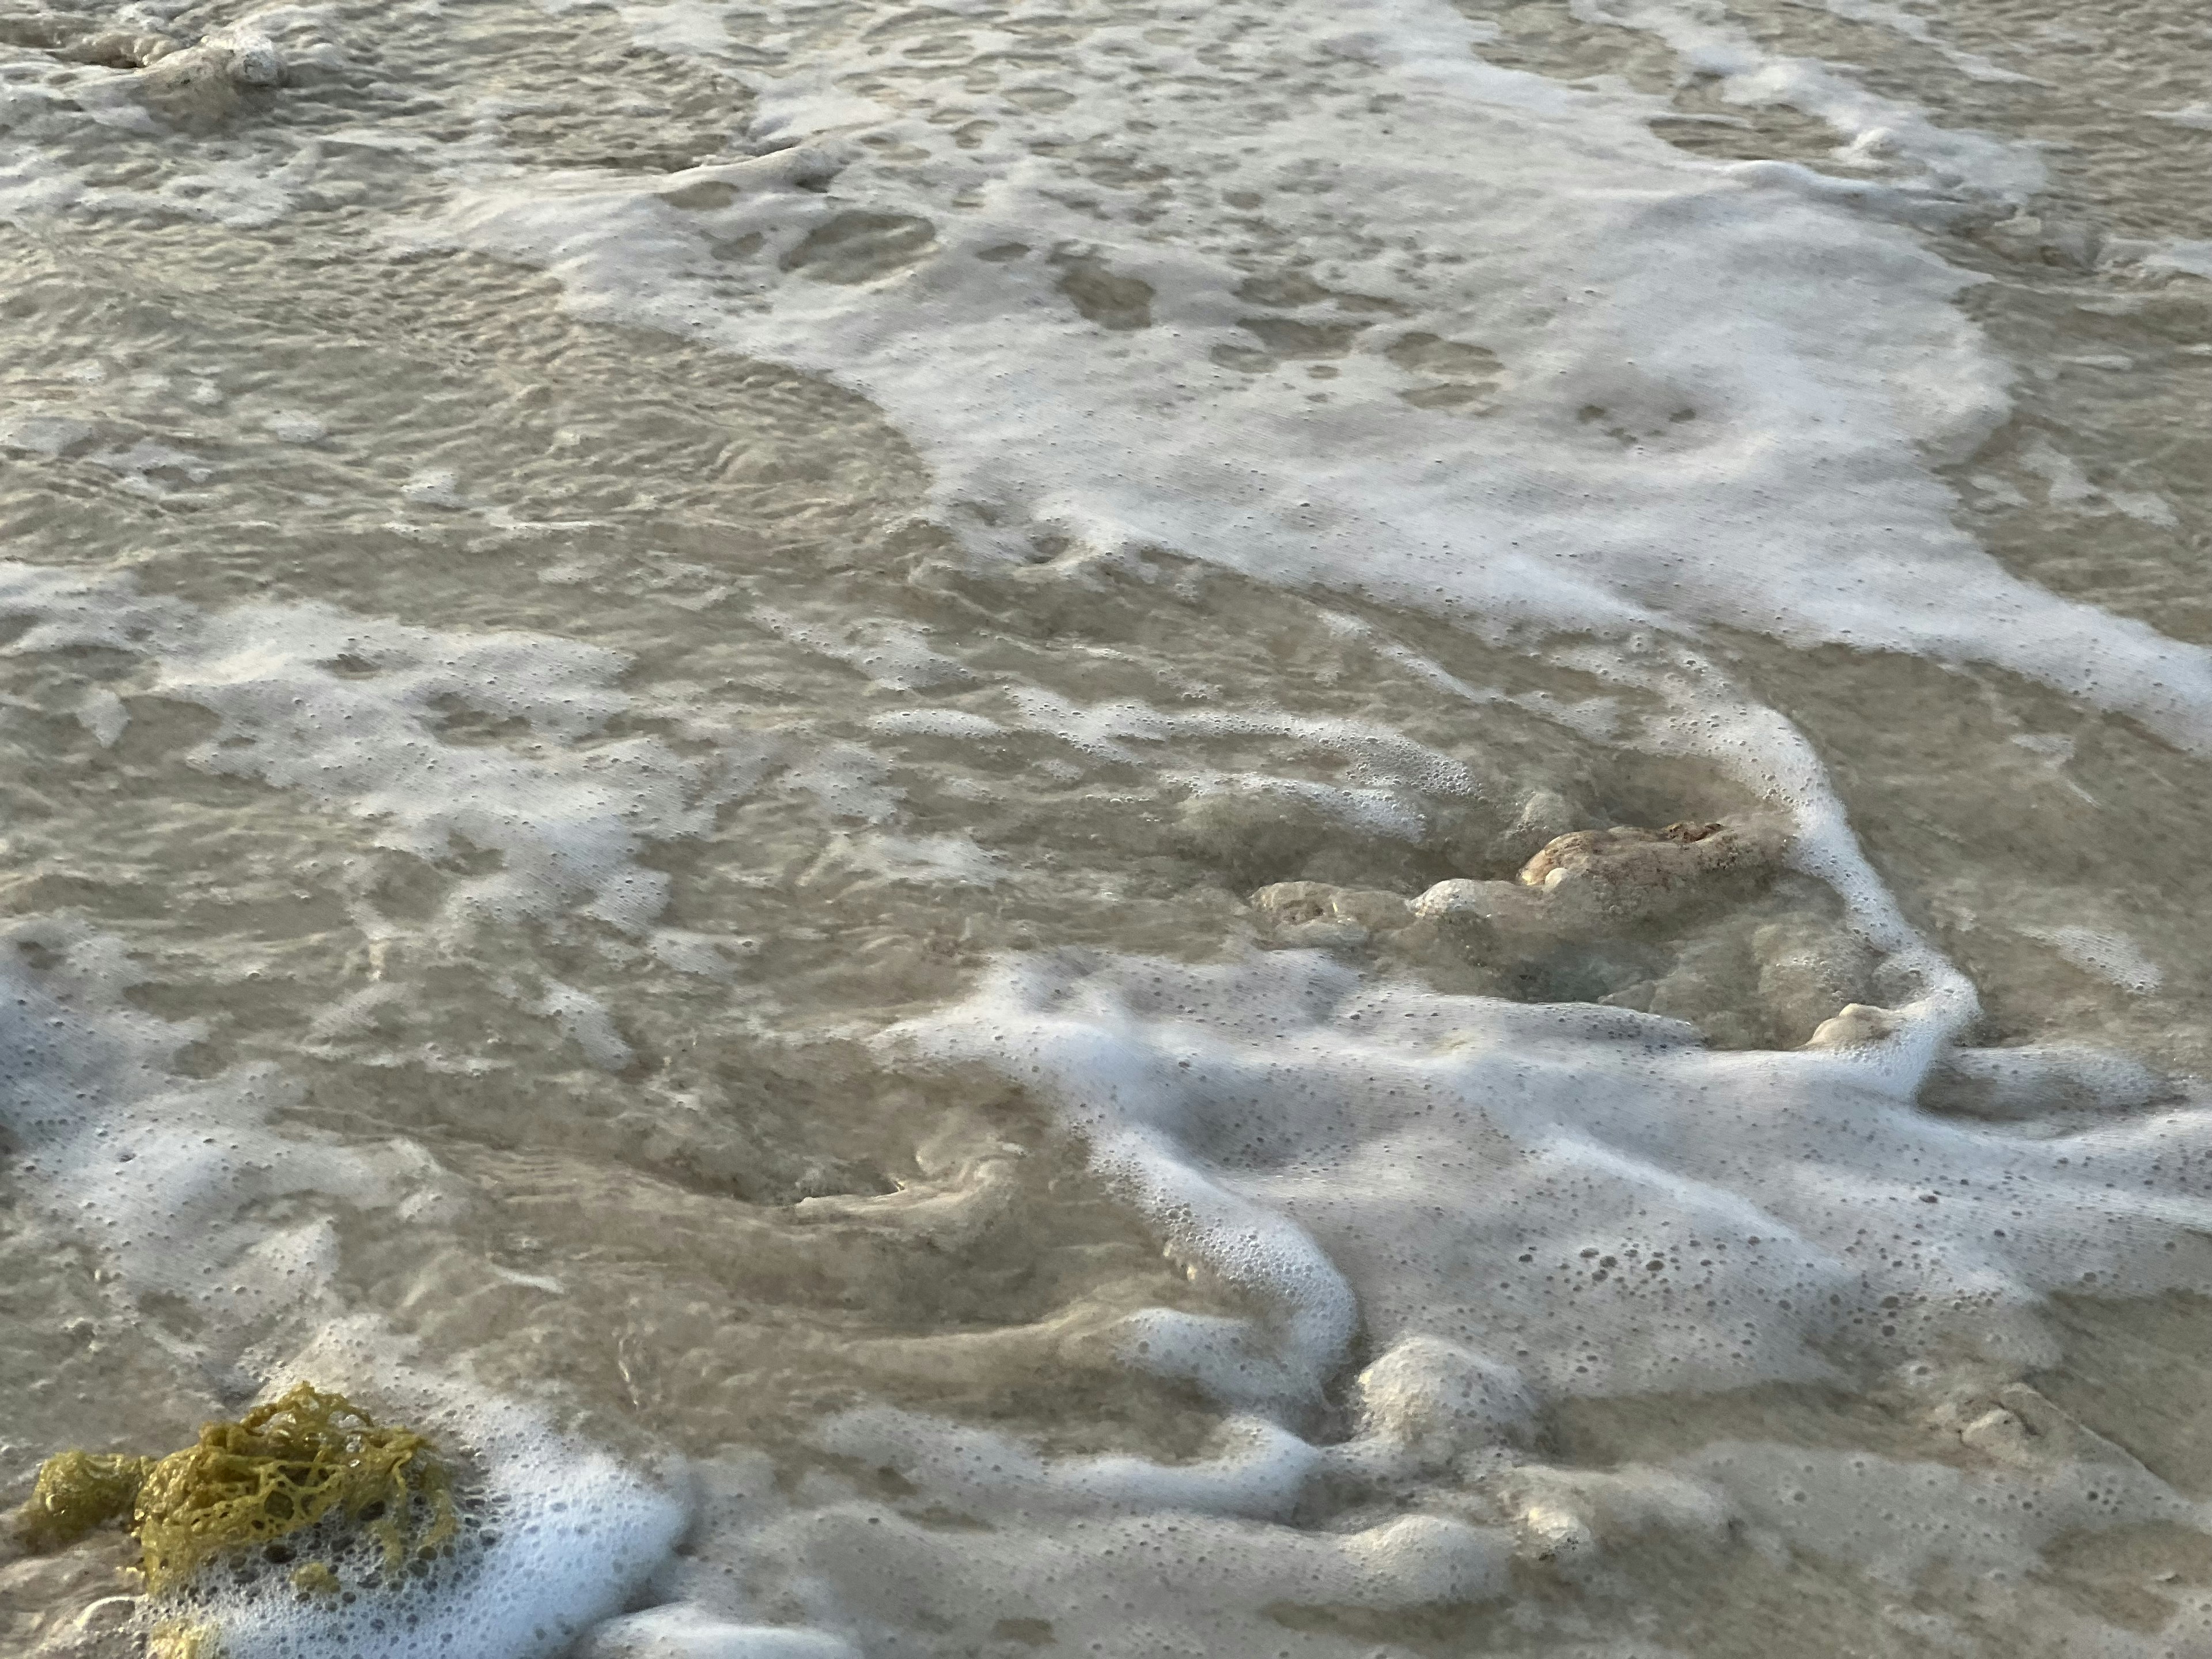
(1435, 1399)
(1479, 900)
(250, 58)
(2001, 1435)
(1627, 863)
(1293, 901)
(1591, 881)
(203, 85)
(1858, 1026)
(117, 49)
(1554, 1532)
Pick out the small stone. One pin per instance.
(201, 86)
(1629, 856)
(2002, 1435)
(1554, 1532)
(1293, 901)
(1858, 1026)
(1462, 897)
(251, 58)
(114, 49)
(1434, 1398)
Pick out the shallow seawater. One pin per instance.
(784, 760)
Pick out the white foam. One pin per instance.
(2112, 957)
(687, 1632)
(935, 723)
(170, 1182)
(1875, 129)
(1914, 27)
(164, 1175)
(1573, 1192)
(1815, 350)
(349, 710)
(574, 1532)
(1258, 1471)
(1135, 1573)
(1897, 1519)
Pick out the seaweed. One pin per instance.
(283, 1468)
(180, 1638)
(78, 1492)
(308, 1457)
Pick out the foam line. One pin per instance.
(1634, 375)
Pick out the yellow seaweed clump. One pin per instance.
(284, 1467)
(280, 1468)
(180, 1638)
(78, 1492)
